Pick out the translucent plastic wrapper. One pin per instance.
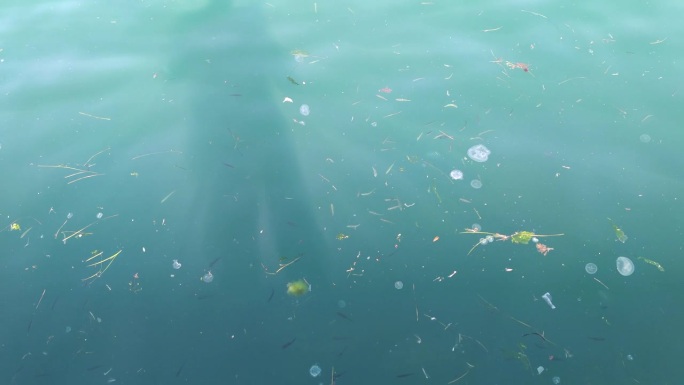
(547, 298)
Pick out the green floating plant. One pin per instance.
(621, 236)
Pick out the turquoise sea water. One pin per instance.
(178, 116)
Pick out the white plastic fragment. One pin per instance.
(547, 298)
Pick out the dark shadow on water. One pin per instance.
(248, 189)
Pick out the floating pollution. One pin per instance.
(547, 298)
(651, 262)
(298, 288)
(208, 277)
(520, 237)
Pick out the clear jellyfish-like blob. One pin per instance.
(625, 266)
(99, 215)
(304, 109)
(479, 153)
(475, 183)
(591, 268)
(176, 265)
(476, 227)
(315, 370)
(399, 285)
(456, 174)
(208, 277)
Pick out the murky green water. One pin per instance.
(180, 122)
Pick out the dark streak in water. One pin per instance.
(343, 350)
(214, 262)
(404, 375)
(287, 344)
(270, 297)
(342, 315)
(535, 334)
(178, 372)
